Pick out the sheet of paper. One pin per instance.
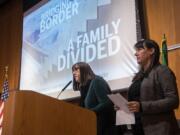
(123, 116)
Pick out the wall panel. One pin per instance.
(10, 40)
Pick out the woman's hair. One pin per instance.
(149, 44)
(86, 74)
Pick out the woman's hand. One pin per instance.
(134, 106)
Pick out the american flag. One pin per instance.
(4, 96)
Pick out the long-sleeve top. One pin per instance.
(159, 98)
(94, 97)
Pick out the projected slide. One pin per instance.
(63, 32)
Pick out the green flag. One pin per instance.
(164, 51)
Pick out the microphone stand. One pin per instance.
(64, 89)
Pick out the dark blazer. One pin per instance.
(159, 98)
(97, 101)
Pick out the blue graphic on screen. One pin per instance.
(61, 33)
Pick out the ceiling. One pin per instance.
(27, 4)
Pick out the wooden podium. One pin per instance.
(31, 113)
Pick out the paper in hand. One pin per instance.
(123, 116)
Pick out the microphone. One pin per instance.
(64, 88)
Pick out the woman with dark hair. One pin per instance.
(94, 90)
(153, 93)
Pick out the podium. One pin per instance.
(31, 113)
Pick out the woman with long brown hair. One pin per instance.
(94, 90)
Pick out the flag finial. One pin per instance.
(6, 72)
(164, 35)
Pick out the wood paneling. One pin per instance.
(174, 64)
(37, 114)
(162, 18)
(10, 41)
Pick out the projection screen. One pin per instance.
(59, 33)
